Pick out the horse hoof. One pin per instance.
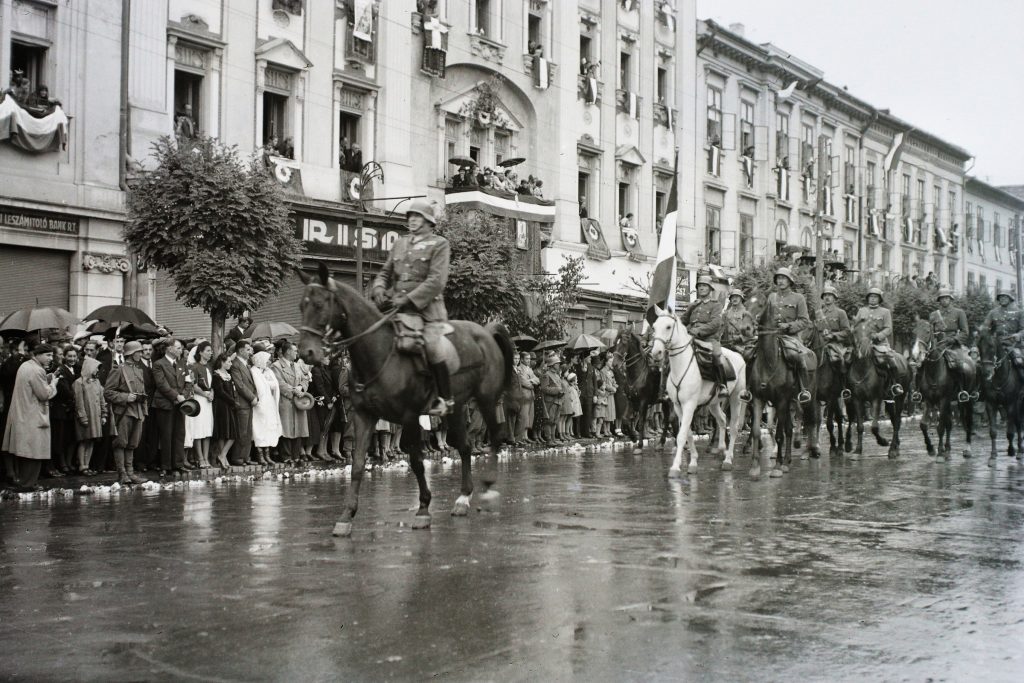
(460, 510)
(675, 473)
(815, 453)
(637, 450)
(755, 472)
(991, 462)
(882, 441)
(853, 456)
(967, 454)
(692, 469)
(727, 466)
(342, 529)
(420, 522)
(785, 469)
(489, 501)
(775, 473)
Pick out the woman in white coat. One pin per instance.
(266, 418)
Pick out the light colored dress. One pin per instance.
(606, 410)
(266, 418)
(200, 426)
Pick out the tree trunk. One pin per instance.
(217, 319)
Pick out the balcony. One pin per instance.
(33, 123)
(528, 68)
(664, 116)
(622, 102)
(584, 86)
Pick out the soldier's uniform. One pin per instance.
(703, 320)
(551, 390)
(949, 327)
(1006, 324)
(875, 322)
(834, 328)
(739, 331)
(790, 320)
(417, 267)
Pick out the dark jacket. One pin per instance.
(169, 379)
(587, 379)
(62, 406)
(244, 386)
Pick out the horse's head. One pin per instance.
(665, 335)
(319, 313)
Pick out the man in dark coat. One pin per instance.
(241, 451)
(62, 412)
(238, 331)
(587, 380)
(149, 449)
(169, 379)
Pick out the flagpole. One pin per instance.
(819, 216)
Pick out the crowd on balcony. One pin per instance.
(502, 179)
(38, 103)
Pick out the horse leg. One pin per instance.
(831, 419)
(641, 425)
(490, 499)
(459, 438)
(1012, 418)
(811, 426)
(715, 409)
(737, 408)
(967, 420)
(859, 410)
(926, 416)
(877, 411)
(851, 418)
(990, 415)
(779, 434)
(422, 518)
(362, 431)
(945, 427)
(895, 410)
(685, 412)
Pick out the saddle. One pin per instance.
(836, 353)
(795, 352)
(705, 354)
(413, 334)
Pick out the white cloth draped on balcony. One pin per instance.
(509, 204)
(17, 126)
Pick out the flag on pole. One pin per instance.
(787, 92)
(893, 156)
(663, 282)
(540, 72)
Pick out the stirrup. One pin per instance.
(803, 397)
(441, 407)
(963, 396)
(745, 396)
(896, 390)
(845, 394)
(916, 397)
(975, 396)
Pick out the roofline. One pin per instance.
(973, 184)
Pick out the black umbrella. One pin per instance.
(524, 341)
(128, 331)
(462, 161)
(120, 314)
(514, 161)
(546, 345)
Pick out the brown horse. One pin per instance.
(1001, 390)
(645, 388)
(393, 386)
(869, 387)
(938, 388)
(772, 381)
(832, 393)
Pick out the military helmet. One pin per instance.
(1008, 293)
(705, 280)
(786, 273)
(944, 290)
(875, 290)
(423, 208)
(737, 292)
(829, 289)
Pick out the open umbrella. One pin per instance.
(128, 330)
(608, 335)
(30, 319)
(524, 341)
(514, 161)
(269, 330)
(462, 161)
(545, 345)
(120, 314)
(585, 342)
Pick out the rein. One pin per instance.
(674, 351)
(328, 334)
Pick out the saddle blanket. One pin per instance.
(427, 339)
(705, 359)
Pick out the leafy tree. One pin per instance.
(976, 304)
(217, 225)
(546, 301)
(483, 283)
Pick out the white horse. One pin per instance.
(688, 390)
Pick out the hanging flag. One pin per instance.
(830, 209)
(715, 160)
(782, 183)
(597, 248)
(662, 293)
(787, 92)
(873, 224)
(540, 72)
(437, 31)
(892, 158)
(666, 15)
(591, 93)
(362, 23)
(633, 105)
(748, 169)
(940, 238)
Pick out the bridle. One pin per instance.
(331, 337)
(673, 351)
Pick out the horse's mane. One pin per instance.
(353, 299)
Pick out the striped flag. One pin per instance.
(892, 158)
(663, 282)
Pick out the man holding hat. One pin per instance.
(413, 281)
(876, 321)
(703, 320)
(790, 320)
(27, 434)
(1005, 322)
(169, 379)
(528, 383)
(834, 327)
(949, 324)
(551, 390)
(125, 391)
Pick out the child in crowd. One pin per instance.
(90, 413)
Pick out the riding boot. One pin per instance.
(802, 380)
(122, 475)
(129, 462)
(444, 402)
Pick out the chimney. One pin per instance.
(738, 29)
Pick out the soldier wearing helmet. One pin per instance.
(834, 327)
(1005, 323)
(739, 329)
(413, 281)
(875, 321)
(949, 325)
(791, 319)
(703, 321)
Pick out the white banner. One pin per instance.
(362, 24)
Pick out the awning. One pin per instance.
(523, 207)
(46, 134)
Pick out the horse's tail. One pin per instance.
(508, 350)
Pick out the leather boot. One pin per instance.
(129, 466)
(122, 474)
(444, 403)
(802, 380)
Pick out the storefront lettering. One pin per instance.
(38, 221)
(326, 236)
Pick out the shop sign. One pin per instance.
(38, 221)
(331, 237)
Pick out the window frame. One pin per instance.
(712, 233)
(715, 114)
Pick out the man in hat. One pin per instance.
(703, 320)
(949, 324)
(551, 390)
(834, 328)
(27, 433)
(1005, 323)
(413, 280)
(876, 323)
(169, 379)
(125, 391)
(528, 383)
(791, 319)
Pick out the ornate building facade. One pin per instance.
(992, 218)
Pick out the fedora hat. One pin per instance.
(304, 401)
(189, 407)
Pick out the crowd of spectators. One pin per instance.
(503, 179)
(37, 102)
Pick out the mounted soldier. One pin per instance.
(790, 320)
(740, 331)
(413, 281)
(834, 327)
(875, 322)
(1005, 322)
(703, 320)
(949, 324)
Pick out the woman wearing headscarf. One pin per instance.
(266, 420)
(90, 413)
(294, 426)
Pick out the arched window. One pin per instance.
(807, 238)
(781, 236)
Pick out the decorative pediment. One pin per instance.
(483, 105)
(629, 154)
(282, 52)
